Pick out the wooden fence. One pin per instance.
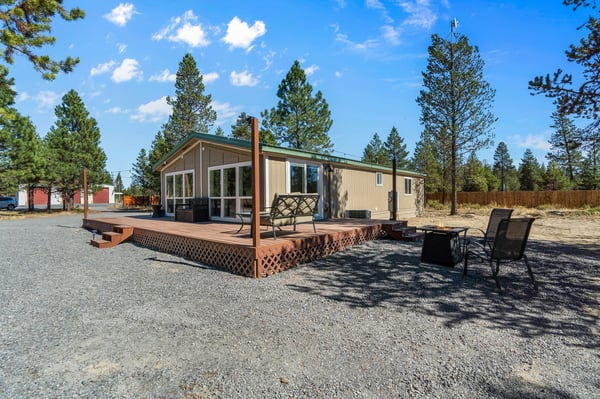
(140, 200)
(528, 199)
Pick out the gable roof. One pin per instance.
(194, 138)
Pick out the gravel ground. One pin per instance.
(371, 322)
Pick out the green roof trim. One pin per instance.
(276, 150)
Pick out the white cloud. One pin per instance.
(535, 142)
(121, 14)
(23, 96)
(46, 99)
(126, 71)
(116, 110)
(181, 29)
(210, 77)
(311, 69)
(391, 34)
(164, 76)
(102, 68)
(241, 35)
(338, 74)
(378, 5)
(121, 48)
(225, 111)
(420, 13)
(243, 78)
(364, 46)
(154, 111)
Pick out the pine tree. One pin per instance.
(219, 131)
(428, 159)
(474, 178)
(74, 144)
(565, 141)
(530, 172)
(25, 28)
(142, 177)
(455, 102)
(300, 120)
(192, 110)
(504, 169)
(555, 178)
(396, 149)
(119, 187)
(375, 152)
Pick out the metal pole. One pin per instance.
(394, 195)
(85, 194)
(255, 228)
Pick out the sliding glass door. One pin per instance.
(180, 189)
(230, 190)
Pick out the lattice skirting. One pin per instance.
(240, 259)
(294, 253)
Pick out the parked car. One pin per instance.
(8, 202)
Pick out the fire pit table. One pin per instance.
(441, 245)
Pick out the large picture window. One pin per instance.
(230, 190)
(180, 189)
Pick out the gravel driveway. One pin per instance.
(371, 322)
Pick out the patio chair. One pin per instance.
(508, 245)
(490, 232)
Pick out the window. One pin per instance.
(303, 178)
(230, 190)
(407, 186)
(378, 179)
(180, 189)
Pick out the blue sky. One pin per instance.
(365, 56)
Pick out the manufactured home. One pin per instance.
(218, 169)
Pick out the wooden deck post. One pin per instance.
(255, 198)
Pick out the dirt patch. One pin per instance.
(567, 226)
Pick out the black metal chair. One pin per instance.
(490, 232)
(508, 245)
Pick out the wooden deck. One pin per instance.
(219, 244)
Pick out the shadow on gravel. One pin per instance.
(389, 273)
(518, 389)
(177, 262)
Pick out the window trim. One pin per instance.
(408, 192)
(379, 179)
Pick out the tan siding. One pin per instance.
(218, 156)
(276, 177)
(354, 189)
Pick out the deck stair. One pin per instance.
(401, 231)
(109, 239)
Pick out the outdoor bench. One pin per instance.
(291, 209)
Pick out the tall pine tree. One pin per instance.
(530, 172)
(74, 144)
(456, 102)
(299, 121)
(375, 152)
(565, 142)
(192, 109)
(396, 149)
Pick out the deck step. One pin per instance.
(100, 243)
(112, 236)
(109, 239)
